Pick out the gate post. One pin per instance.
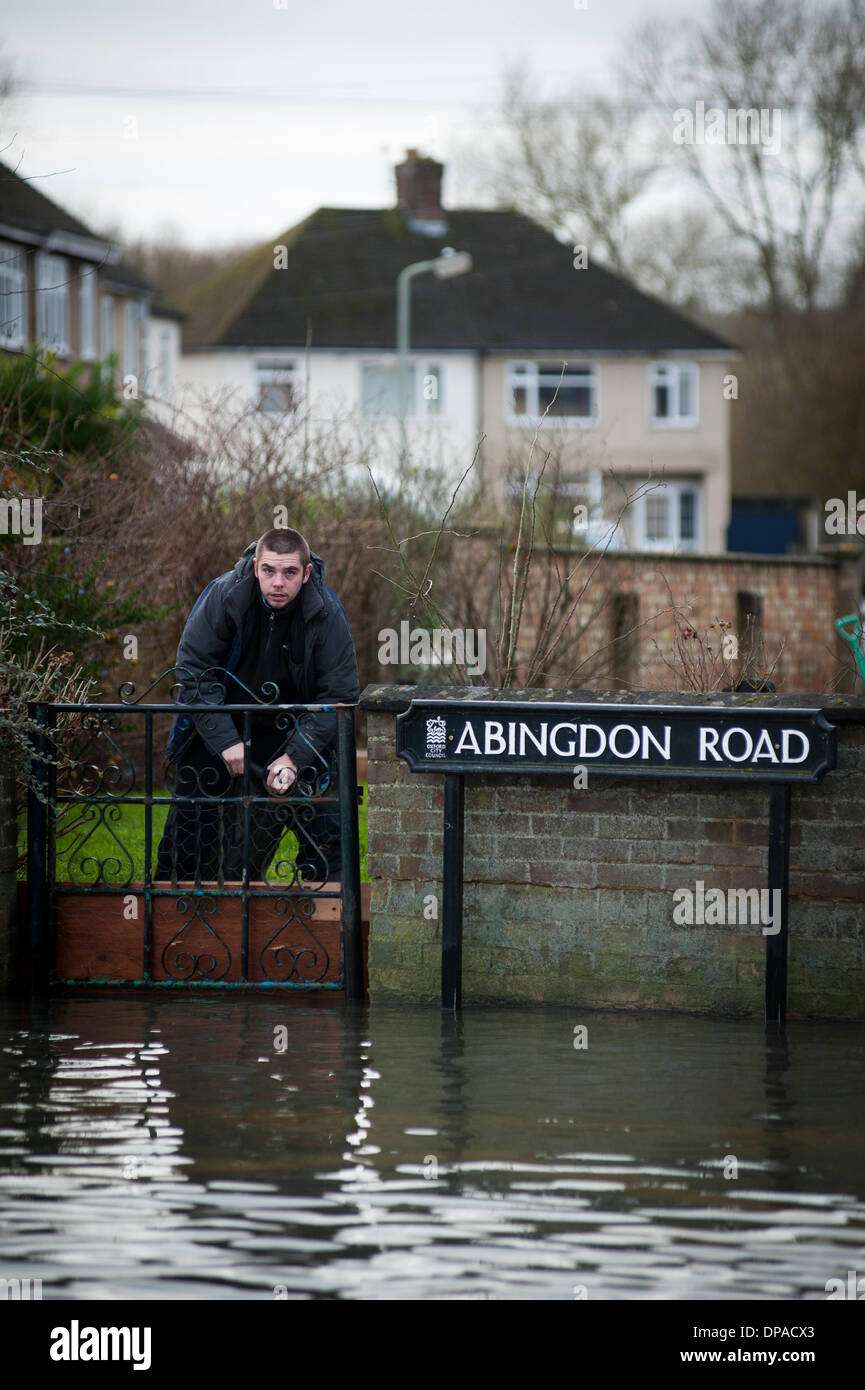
(349, 845)
(38, 897)
(11, 929)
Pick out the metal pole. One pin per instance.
(244, 895)
(37, 855)
(403, 334)
(779, 872)
(350, 853)
(148, 843)
(452, 891)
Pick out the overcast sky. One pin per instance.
(232, 119)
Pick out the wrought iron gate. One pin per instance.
(199, 918)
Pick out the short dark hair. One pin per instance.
(283, 541)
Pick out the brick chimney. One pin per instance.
(419, 190)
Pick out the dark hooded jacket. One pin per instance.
(214, 638)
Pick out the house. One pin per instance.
(533, 337)
(68, 290)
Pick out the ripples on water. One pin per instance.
(155, 1147)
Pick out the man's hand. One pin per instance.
(281, 774)
(234, 757)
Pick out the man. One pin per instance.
(269, 630)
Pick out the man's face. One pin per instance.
(280, 577)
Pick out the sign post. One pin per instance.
(453, 855)
(778, 747)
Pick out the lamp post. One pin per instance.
(448, 264)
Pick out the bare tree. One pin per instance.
(580, 164)
(679, 257)
(175, 268)
(778, 191)
(568, 162)
(10, 82)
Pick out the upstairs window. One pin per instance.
(674, 402)
(568, 394)
(381, 394)
(13, 286)
(380, 389)
(52, 302)
(277, 386)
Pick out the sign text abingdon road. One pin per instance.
(764, 745)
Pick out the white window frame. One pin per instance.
(277, 372)
(421, 407)
(87, 301)
(52, 302)
(165, 367)
(528, 376)
(13, 295)
(670, 373)
(673, 489)
(106, 325)
(142, 315)
(131, 320)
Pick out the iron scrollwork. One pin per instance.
(294, 960)
(189, 962)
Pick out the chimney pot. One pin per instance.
(419, 187)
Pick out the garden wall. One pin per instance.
(786, 605)
(8, 886)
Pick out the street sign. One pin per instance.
(619, 740)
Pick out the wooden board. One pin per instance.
(291, 939)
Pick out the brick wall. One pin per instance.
(800, 598)
(569, 894)
(9, 952)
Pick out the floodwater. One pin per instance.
(161, 1146)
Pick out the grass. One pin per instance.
(79, 843)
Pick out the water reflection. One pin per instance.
(247, 1147)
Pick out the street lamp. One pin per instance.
(446, 265)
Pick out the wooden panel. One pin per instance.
(297, 939)
(94, 939)
(203, 942)
(199, 938)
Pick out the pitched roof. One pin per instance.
(523, 292)
(119, 275)
(24, 207)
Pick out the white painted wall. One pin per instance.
(472, 402)
(161, 343)
(333, 381)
